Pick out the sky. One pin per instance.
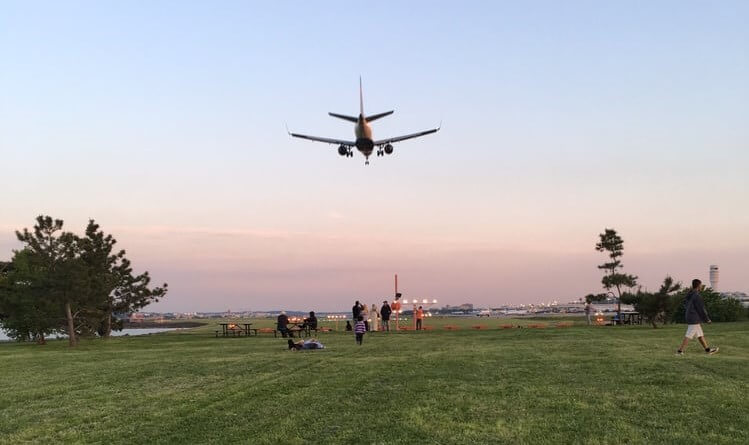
(165, 122)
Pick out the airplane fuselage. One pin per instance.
(363, 132)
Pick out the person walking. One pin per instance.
(375, 316)
(359, 330)
(588, 311)
(419, 318)
(356, 310)
(695, 314)
(365, 315)
(385, 312)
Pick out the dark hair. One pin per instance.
(311, 313)
(385, 302)
(696, 283)
(360, 318)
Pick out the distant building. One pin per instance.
(714, 277)
(741, 296)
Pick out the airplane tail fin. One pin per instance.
(344, 117)
(374, 117)
(361, 99)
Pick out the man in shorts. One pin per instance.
(695, 314)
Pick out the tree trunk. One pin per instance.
(71, 326)
(619, 304)
(108, 324)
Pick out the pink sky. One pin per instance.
(210, 269)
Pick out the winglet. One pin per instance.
(287, 128)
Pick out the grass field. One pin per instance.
(553, 385)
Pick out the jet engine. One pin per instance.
(389, 149)
(343, 150)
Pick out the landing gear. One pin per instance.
(387, 149)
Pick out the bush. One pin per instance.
(719, 308)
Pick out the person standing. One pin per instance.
(359, 330)
(365, 315)
(588, 311)
(375, 318)
(695, 314)
(419, 318)
(385, 312)
(356, 311)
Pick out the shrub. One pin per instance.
(718, 307)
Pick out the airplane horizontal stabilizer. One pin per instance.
(344, 117)
(377, 116)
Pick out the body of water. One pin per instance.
(144, 331)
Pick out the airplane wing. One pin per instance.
(326, 140)
(407, 136)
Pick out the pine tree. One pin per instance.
(612, 243)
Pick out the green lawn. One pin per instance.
(570, 385)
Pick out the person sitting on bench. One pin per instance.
(312, 343)
(282, 325)
(310, 322)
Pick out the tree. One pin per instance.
(590, 298)
(612, 243)
(26, 312)
(655, 307)
(60, 270)
(110, 282)
(718, 307)
(60, 281)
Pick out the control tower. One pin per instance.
(714, 277)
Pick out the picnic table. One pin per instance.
(299, 327)
(631, 317)
(236, 330)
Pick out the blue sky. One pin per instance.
(165, 122)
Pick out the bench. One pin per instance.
(267, 331)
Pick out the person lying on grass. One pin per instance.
(312, 343)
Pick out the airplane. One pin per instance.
(364, 142)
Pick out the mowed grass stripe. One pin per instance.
(579, 384)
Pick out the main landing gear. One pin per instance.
(345, 151)
(387, 149)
